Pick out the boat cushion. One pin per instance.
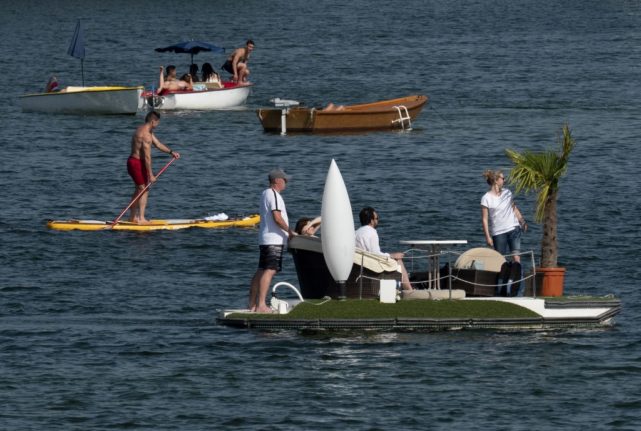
(432, 294)
(480, 258)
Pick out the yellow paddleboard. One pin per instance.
(169, 224)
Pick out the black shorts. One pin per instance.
(228, 67)
(271, 257)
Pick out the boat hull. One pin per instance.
(546, 313)
(211, 99)
(170, 224)
(369, 116)
(85, 100)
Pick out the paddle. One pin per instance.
(135, 199)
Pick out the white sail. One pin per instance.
(338, 226)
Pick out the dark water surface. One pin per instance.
(116, 330)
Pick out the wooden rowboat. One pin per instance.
(386, 114)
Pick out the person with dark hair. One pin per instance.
(274, 232)
(164, 84)
(171, 73)
(307, 226)
(188, 80)
(210, 76)
(236, 63)
(139, 163)
(367, 239)
(193, 71)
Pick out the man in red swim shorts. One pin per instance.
(139, 163)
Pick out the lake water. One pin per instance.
(117, 330)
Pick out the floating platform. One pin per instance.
(169, 224)
(469, 313)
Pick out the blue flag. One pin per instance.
(77, 46)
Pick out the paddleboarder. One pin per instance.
(274, 232)
(139, 163)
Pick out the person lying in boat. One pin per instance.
(210, 77)
(307, 226)
(367, 239)
(331, 107)
(184, 84)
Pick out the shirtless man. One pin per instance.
(236, 64)
(171, 83)
(139, 163)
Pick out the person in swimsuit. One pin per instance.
(139, 163)
(174, 84)
(236, 64)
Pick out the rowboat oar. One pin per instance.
(135, 199)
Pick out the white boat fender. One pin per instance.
(284, 306)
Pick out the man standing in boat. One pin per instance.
(274, 232)
(139, 163)
(236, 64)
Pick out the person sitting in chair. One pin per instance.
(367, 239)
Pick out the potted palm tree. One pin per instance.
(541, 172)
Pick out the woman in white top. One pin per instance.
(502, 220)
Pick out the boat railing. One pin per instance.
(416, 259)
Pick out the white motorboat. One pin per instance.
(85, 100)
(230, 96)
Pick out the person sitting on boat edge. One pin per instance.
(367, 239)
(184, 84)
(236, 63)
(307, 226)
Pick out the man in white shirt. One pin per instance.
(367, 239)
(273, 234)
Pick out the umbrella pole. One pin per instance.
(82, 70)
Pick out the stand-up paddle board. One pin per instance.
(168, 224)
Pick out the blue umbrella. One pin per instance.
(77, 48)
(192, 47)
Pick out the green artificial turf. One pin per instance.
(373, 309)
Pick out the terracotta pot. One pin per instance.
(553, 279)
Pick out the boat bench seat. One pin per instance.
(316, 281)
(372, 261)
